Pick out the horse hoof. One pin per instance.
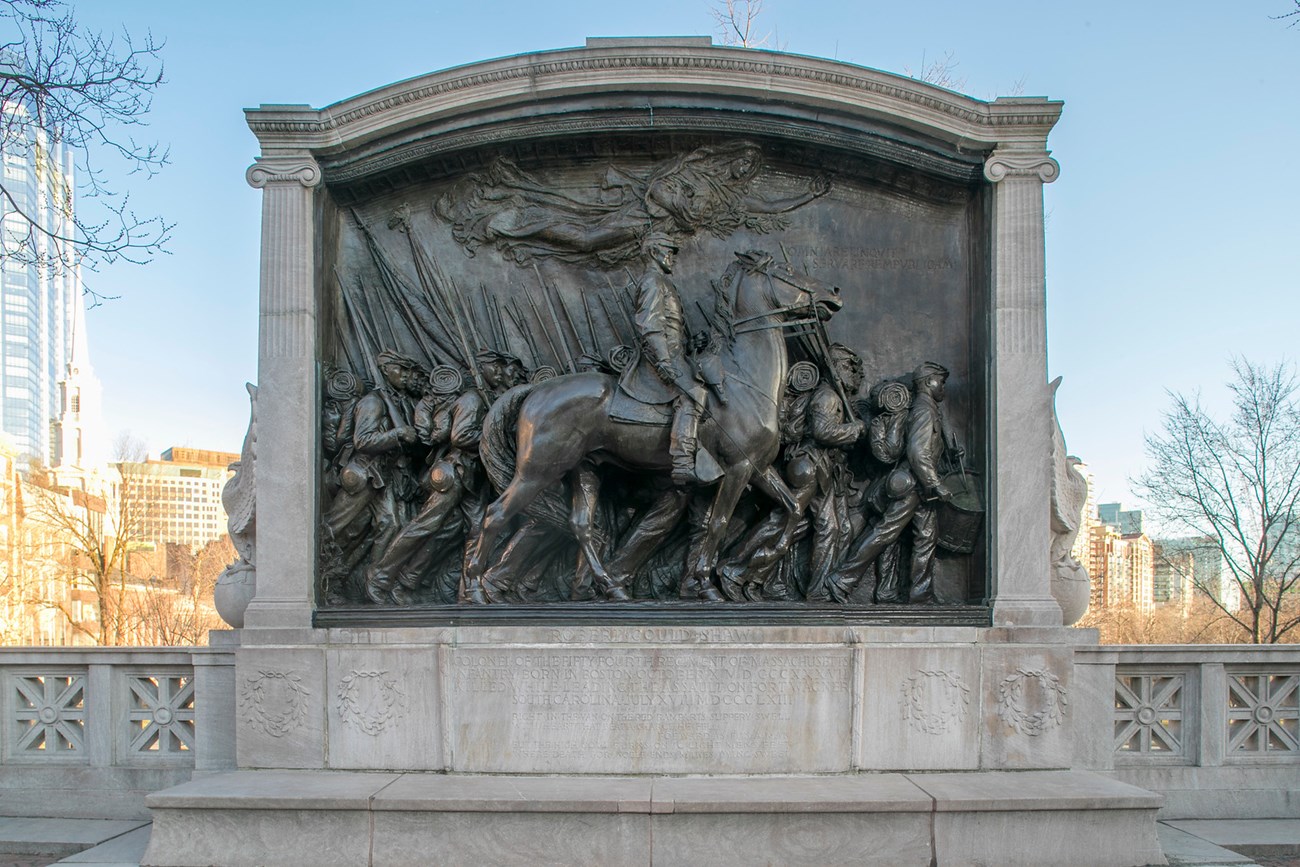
(473, 595)
(614, 593)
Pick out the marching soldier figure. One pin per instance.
(913, 488)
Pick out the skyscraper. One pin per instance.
(39, 286)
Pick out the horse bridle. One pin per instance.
(810, 306)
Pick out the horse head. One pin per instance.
(784, 293)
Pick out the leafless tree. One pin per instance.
(1236, 483)
(175, 607)
(99, 534)
(129, 447)
(1293, 16)
(62, 84)
(940, 73)
(737, 23)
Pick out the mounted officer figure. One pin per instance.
(664, 373)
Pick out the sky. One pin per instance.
(1172, 240)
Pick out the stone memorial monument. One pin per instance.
(654, 465)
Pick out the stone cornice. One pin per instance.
(647, 68)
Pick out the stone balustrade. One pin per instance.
(1215, 728)
(91, 731)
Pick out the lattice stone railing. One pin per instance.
(116, 707)
(1201, 705)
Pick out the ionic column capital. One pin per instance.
(282, 170)
(1003, 164)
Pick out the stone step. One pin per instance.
(59, 838)
(332, 817)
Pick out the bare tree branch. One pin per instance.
(68, 90)
(1234, 487)
(737, 23)
(940, 73)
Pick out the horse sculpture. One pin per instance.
(563, 428)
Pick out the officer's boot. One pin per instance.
(684, 441)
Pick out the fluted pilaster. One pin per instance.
(287, 396)
(1022, 441)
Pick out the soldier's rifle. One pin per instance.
(555, 321)
(393, 285)
(436, 284)
(517, 317)
(368, 349)
(591, 324)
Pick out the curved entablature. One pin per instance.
(615, 86)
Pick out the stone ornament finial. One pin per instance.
(269, 170)
(1004, 164)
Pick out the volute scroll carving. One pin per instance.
(283, 170)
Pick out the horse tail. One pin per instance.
(498, 445)
(498, 449)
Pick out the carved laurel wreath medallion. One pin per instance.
(934, 701)
(1032, 701)
(275, 701)
(370, 700)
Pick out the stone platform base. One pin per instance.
(332, 817)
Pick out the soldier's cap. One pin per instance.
(487, 356)
(839, 350)
(928, 369)
(387, 357)
(659, 239)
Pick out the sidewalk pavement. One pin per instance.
(104, 843)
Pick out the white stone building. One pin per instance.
(178, 498)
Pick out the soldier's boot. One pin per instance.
(379, 586)
(684, 442)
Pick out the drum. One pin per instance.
(960, 518)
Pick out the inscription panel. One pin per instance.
(650, 710)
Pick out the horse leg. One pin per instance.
(699, 576)
(496, 517)
(586, 491)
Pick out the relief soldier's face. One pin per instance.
(494, 374)
(935, 387)
(394, 375)
(664, 256)
(850, 371)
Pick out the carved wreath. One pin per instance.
(953, 697)
(386, 701)
(1012, 705)
(282, 688)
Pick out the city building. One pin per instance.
(1197, 564)
(176, 499)
(1120, 558)
(80, 457)
(1088, 520)
(40, 602)
(1129, 522)
(40, 287)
